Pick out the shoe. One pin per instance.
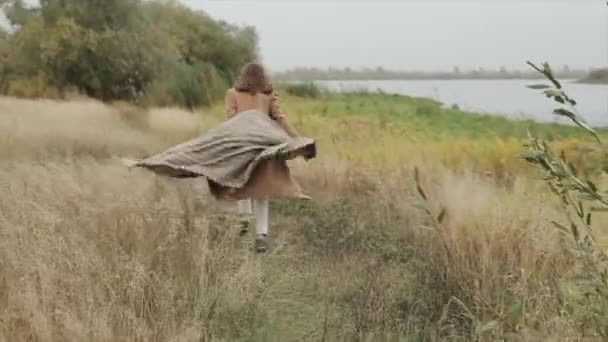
(310, 152)
(304, 196)
(261, 244)
(244, 225)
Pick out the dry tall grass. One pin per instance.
(90, 251)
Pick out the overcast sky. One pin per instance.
(430, 34)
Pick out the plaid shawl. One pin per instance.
(229, 153)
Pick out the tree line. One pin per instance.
(597, 76)
(379, 73)
(147, 52)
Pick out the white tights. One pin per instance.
(260, 209)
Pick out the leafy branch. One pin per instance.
(567, 105)
(573, 190)
(561, 175)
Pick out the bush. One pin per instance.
(309, 90)
(31, 87)
(186, 85)
(122, 50)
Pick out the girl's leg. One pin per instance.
(244, 210)
(244, 207)
(261, 222)
(261, 216)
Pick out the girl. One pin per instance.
(244, 158)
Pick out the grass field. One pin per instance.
(91, 251)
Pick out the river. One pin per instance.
(509, 98)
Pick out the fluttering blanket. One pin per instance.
(244, 157)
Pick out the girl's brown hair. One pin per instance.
(253, 79)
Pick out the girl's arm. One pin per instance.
(277, 114)
(230, 104)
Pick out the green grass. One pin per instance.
(423, 115)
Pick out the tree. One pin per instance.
(124, 49)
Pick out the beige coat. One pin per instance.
(271, 178)
(237, 102)
(243, 157)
